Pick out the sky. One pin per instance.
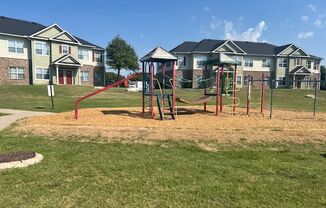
(146, 24)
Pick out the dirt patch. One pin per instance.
(129, 124)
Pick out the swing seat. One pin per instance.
(201, 100)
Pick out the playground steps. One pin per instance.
(162, 110)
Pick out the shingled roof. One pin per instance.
(209, 45)
(25, 28)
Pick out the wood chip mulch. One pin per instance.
(16, 156)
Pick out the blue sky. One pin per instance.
(149, 23)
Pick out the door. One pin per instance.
(61, 78)
(69, 77)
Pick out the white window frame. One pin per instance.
(83, 53)
(17, 70)
(83, 77)
(42, 74)
(200, 61)
(45, 48)
(266, 63)
(281, 63)
(240, 80)
(296, 62)
(16, 43)
(249, 62)
(97, 57)
(238, 59)
(66, 50)
(309, 66)
(281, 78)
(181, 61)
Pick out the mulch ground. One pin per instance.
(16, 156)
(130, 125)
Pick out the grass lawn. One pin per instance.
(35, 98)
(3, 114)
(166, 174)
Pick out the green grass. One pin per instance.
(35, 98)
(166, 174)
(3, 114)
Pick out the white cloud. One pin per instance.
(251, 34)
(206, 8)
(305, 35)
(318, 23)
(312, 7)
(215, 23)
(305, 18)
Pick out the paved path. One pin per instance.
(15, 115)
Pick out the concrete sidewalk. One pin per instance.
(15, 115)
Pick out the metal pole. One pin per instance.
(218, 89)
(144, 89)
(221, 84)
(234, 87)
(248, 95)
(163, 85)
(173, 87)
(315, 98)
(262, 94)
(152, 89)
(271, 104)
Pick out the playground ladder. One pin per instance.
(169, 108)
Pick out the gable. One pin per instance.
(65, 36)
(67, 60)
(228, 46)
(49, 32)
(299, 52)
(289, 50)
(225, 48)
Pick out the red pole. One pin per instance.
(144, 83)
(248, 95)
(262, 94)
(163, 84)
(173, 87)
(234, 87)
(152, 89)
(221, 97)
(218, 87)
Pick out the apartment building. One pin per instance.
(31, 53)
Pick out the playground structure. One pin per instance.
(220, 71)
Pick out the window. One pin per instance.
(42, 48)
(97, 57)
(201, 61)
(16, 73)
(65, 49)
(84, 76)
(181, 61)
(308, 64)
(316, 66)
(42, 73)
(282, 63)
(245, 80)
(239, 80)
(297, 62)
(83, 54)
(249, 62)
(267, 63)
(238, 59)
(15, 46)
(97, 76)
(282, 81)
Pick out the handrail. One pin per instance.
(102, 90)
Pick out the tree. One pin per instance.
(121, 55)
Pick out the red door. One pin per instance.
(61, 79)
(69, 77)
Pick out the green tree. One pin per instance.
(121, 55)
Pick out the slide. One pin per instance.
(102, 90)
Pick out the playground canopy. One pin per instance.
(158, 54)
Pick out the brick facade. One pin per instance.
(5, 63)
(91, 75)
(256, 75)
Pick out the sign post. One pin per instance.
(51, 94)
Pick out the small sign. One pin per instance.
(50, 90)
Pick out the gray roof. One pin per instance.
(25, 28)
(208, 45)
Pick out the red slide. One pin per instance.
(102, 90)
